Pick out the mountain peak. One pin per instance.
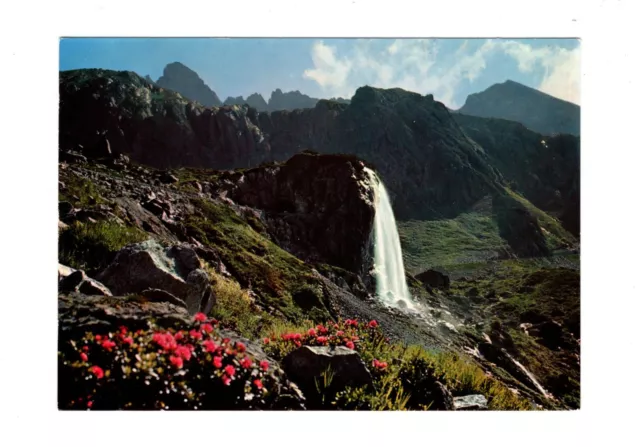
(180, 78)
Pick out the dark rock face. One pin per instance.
(308, 363)
(185, 81)
(146, 265)
(77, 281)
(307, 202)
(434, 279)
(545, 169)
(516, 102)
(290, 101)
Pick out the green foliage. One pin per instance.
(92, 246)
(181, 368)
(257, 262)
(86, 192)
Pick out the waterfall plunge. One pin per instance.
(391, 283)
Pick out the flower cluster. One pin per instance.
(158, 368)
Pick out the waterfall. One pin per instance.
(391, 282)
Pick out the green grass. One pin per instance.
(83, 189)
(274, 274)
(469, 237)
(92, 246)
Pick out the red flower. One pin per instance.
(89, 404)
(84, 357)
(85, 348)
(195, 334)
(350, 345)
(240, 347)
(297, 343)
(378, 364)
(322, 329)
(98, 337)
(225, 341)
(217, 362)
(165, 340)
(179, 336)
(209, 346)
(183, 352)
(373, 323)
(97, 371)
(226, 379)
(176, 361)
(322, 339)
(123, 329)
(230, 370)
(127, 340)
(297, 336)
(264, 365)
(207, 328)
(200, 317)
(340, 333)
(246, 363)
(266, 340)
(108, 344)
(258, 383)
(311, 332)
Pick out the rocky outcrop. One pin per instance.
(307, 364)
(306, 202)
(182, 79)
(434, 279)
(71, 280)
(148, 265)
(471, 402)
(516, 102)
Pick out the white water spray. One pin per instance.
(391, 283)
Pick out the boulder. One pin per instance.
(308, 363)
(434, 278)
(149, 265)
(159, 296)
(440, 397)
(470, 402)
(78, 281)
(167, 178)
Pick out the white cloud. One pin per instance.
(417, 65)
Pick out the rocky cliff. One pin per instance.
(180, 78)
(538, 111)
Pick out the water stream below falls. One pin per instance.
(391, 283)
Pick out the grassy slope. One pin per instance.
(473, 236)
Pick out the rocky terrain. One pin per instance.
(170, 210)
(538, 111)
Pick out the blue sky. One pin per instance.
(448, 68)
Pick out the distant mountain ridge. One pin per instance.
(538, 111)
(181, 79)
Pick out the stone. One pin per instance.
(64, 271)
(441, 398)
(62, 226)
(78, 281)
(434, 278)
(149, 265)
(167, 178)
(308, 363)
(159, 296)
(470, 402)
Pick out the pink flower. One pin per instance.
(264, 365)
(322, 329)
(179, 336)
(322, 339)
(373, 323)
(183, 352)
(225, 341)
(226, 380)
(258, 383)
(297, 336)
(98, 337)
(207, 328)
(89, 404)
(241, 347)
(84, 357)
(108, 344)
(127, 340)
(266, 340)
(340, 333)
(165, 340)
(123, 329)
(195, 334)
(200, 317)
(217, 362)
(378, 364)
(176, 361)
(229, 370)
(246, 363)
(97, 371)
(85, 348)
(209, 346)
(311, 332)
(350, 345)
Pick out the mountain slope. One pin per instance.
(182, 79)
(538, 111)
